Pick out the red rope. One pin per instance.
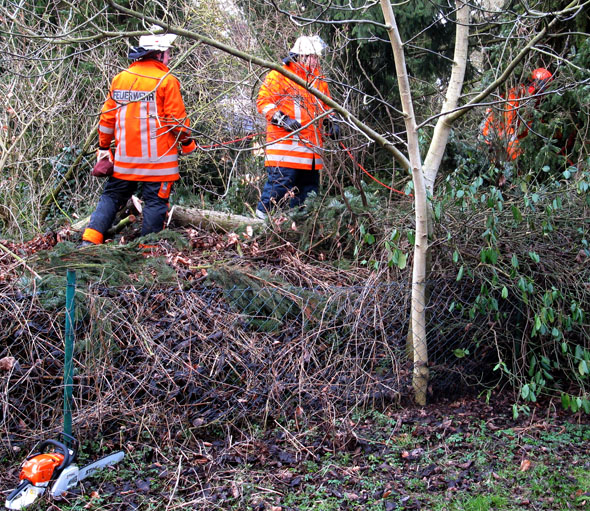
(371, 176)
(343, 147)
(229, 141)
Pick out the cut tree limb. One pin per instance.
(207, 219)
(81, 225)
(213, 220)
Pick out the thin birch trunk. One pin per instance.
(418, 315)
(443, 126)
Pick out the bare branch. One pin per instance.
(347, 115)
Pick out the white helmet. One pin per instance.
(156, 42)
(309, 45)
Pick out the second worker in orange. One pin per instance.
(294, 140)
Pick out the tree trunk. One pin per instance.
(418, 314)
(442, 130)
(439, 142)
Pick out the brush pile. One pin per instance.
(183, 332)
(190, 330)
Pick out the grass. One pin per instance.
(469, 458)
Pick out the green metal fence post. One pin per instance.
(69, 354)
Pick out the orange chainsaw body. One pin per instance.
(39, 469)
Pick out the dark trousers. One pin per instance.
(117, 192)
(281, 180)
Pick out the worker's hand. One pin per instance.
(188, 146)
(101, 154)
(284, 121)
(331, 129)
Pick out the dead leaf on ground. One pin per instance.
(525, 465)
(143, 485)
(414, 454)
(93, 495)
(446, 423)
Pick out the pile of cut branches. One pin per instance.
(175, 338)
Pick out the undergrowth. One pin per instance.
(527, 246)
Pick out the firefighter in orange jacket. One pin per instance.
(144, 113)
(507, 129)
(293, 152)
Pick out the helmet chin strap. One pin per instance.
(161, 56)
(306, 63)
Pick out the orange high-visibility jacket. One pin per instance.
(507, 127)
(279, 93)
(145, 114)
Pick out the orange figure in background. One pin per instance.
(506, 127)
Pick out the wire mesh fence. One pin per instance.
(217, 352)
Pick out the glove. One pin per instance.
(331, 129)
(188, 146)
(284, 121)
(102, 153)
(104, 163)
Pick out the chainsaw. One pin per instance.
(51, 466)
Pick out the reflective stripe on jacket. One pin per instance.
(279, 93)
(145, 114)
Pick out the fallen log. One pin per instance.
(211, 220)
(129, 214)
(80, 225)
(204, 218)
